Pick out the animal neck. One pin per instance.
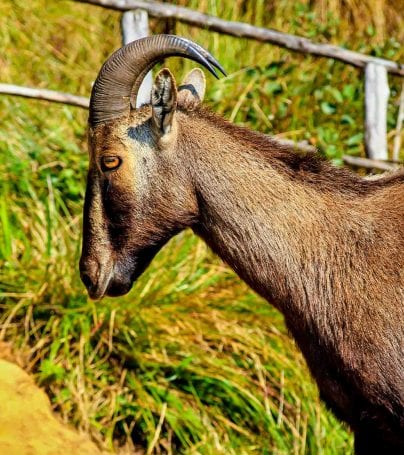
(274, 220)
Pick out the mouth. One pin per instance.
(98, 290)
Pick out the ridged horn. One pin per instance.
(117, 84)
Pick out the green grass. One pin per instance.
(191, 361)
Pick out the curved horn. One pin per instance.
(117, 83)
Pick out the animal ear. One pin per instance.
(192, 89)
(164, 101)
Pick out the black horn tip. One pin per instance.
(207, 56)
(198, 56)
(215, 63)
(220, 68)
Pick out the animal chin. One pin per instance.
(122, 285)
(115, 289)
(143, 259)
(122, 282)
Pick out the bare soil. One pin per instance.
(27, 424)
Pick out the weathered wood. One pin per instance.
(400, 118)
(44, 94)
(368, 163)
(135, 25)
(243, 30)
(303, 146)
(376, 98)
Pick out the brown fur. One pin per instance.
(325, 247)
(320, 243)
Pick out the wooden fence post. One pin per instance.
(400, 119)
(135, 25)
(376, 98)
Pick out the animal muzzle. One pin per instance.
(115, 278)
(109, 279)
(102, 284)
(101, 277)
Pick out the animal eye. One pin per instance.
(109, 163)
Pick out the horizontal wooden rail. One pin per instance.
(44, 94)
(370, 164)
(243, 30)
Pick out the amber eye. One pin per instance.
(109, 163)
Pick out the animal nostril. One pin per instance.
(86, 279)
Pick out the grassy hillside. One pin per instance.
(191, 361)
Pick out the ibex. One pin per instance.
(322, 244)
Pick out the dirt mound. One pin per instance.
(27, 424)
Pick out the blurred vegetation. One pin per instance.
(191, 361)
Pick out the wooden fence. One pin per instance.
(134, 24)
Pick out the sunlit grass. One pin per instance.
(191, 361)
